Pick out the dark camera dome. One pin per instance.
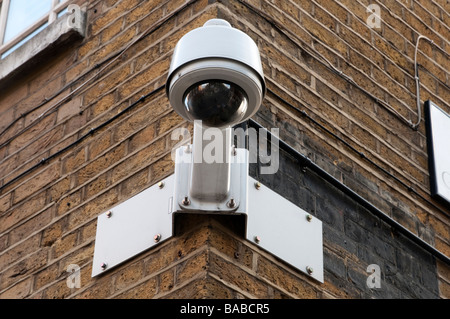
(216, 103)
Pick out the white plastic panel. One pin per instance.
(285, 230)
(438, 140)
(133, 225)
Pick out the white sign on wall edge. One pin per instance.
(438, 144)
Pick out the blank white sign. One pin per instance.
(438, 140)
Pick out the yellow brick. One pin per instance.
(18, 291)
(146, 290)
(144, 10)
(21, 212)
(5, 202)
(75, 71)
(46, 276)
(298, 286)
(75, 160)
(57, 290)
(233, 275)
(162, 168)
(101, 289)
(23, 269)
(114, 46)
(104, 104)
(19, 251)
(38, 182)
(96, 186)
(329, 38)
(128, 275)
(166, 280)
(30, 134)
(111, 31)
(100, 143)
(64, 244)
(68, 202)
(191, 267)
(141, 80)
(108, 83)
(101, 163)
(168, 122)
(112, 14)
(31, 226)
(134, 184)
(68, 109)
(88, 48)
(92, 208)
(143, 137)
(81, 256)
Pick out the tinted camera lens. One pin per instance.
(216, 103)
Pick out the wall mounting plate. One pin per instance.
(284, 230)
(438, 135)
(238, 177)
(130, 227)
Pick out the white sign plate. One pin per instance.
(132, 226)
(438, 142)
(285, 230)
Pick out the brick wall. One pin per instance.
(48, 209)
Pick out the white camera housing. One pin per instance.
(215, 77)
(216, 52)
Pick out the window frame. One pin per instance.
(49, 17)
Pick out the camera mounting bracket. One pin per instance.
(234, 201)
(272, 222)
(215, 184)
(211, 174)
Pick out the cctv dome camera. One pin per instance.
(216, 75)
(216, 103)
